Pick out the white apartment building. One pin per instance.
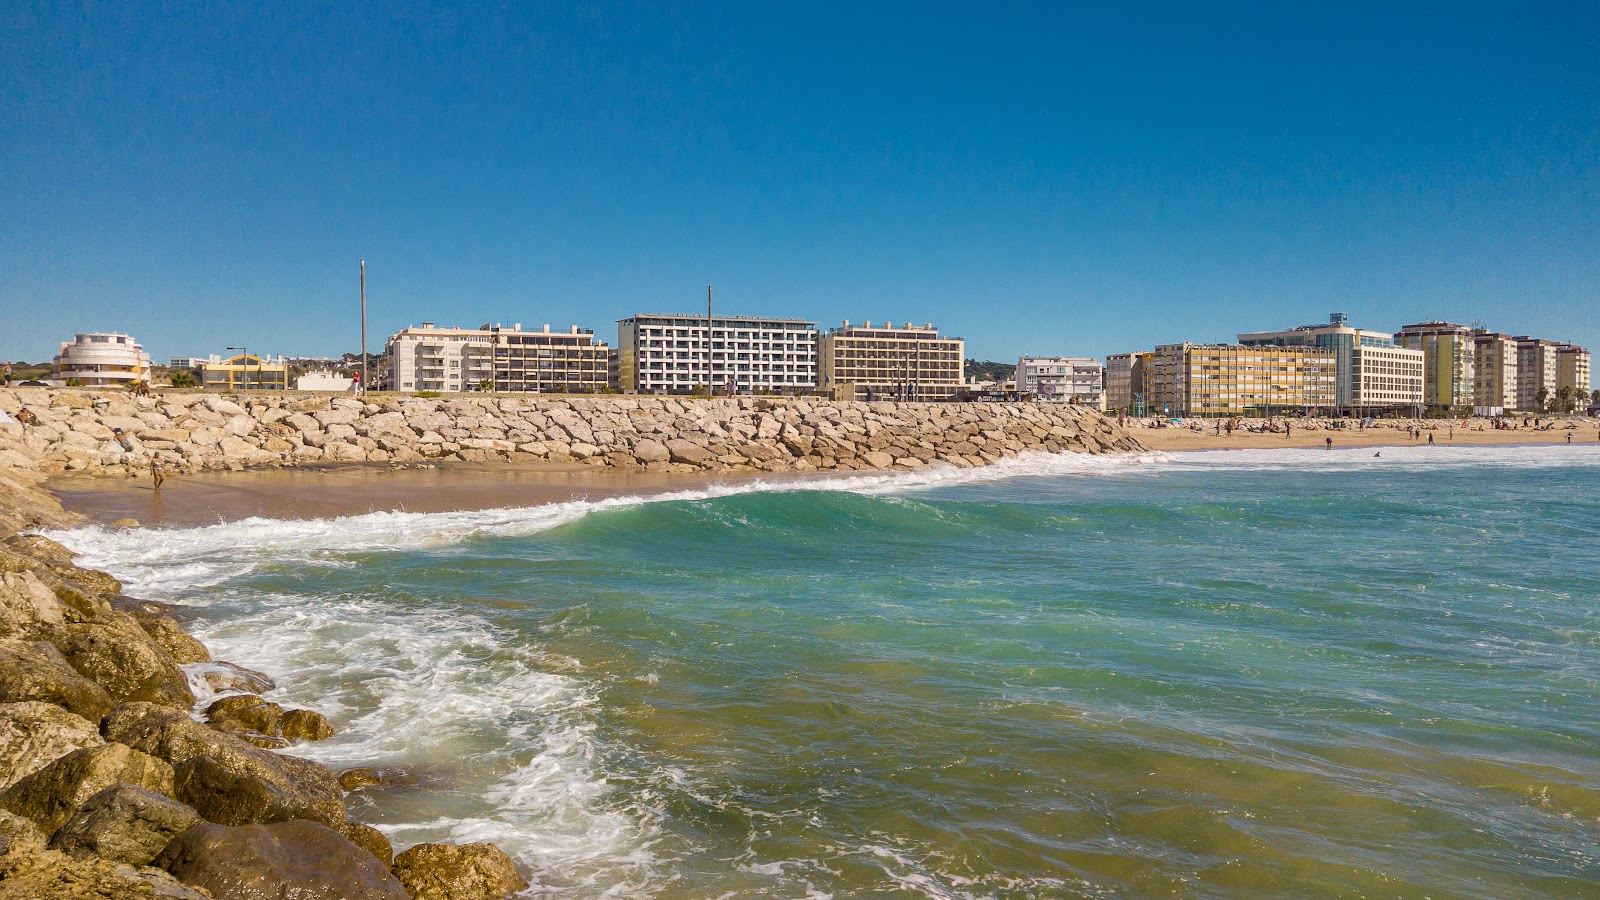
(102, 359)
(915, 363)
(1062, 379)
(1385, 377)
(675, 354)
(430, 358)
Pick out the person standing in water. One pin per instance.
(158, 473)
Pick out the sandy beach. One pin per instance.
(327, 491)
(1382, 435)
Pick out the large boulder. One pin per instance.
(173, 736)
(160, 622)
(124, 823)
(457, 872)
(227, 797)
(51, 795)
(35, 734)
(224, 677)
(296, 860)
(35, 670)
(119, 655)
(251, 715)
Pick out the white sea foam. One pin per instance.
(155, 561)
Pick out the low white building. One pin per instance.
(102, 359)
(322, 381)
(1062, 379)
(430, 358)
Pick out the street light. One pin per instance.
(245, 353)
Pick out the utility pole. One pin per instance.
(366, 381)
(711, 383)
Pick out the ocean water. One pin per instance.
(1218, 674)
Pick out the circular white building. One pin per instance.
(102, 359)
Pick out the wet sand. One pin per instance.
(312, 492)
(1187, 439)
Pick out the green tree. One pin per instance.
(1541, 398)
(181, 378)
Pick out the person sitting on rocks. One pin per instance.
(27, 417)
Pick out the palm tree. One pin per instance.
(1541, 398)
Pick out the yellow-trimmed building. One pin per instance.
(860, 362)
(245, 372)
(1235, 380)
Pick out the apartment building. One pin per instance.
(1447, 362)
(102, 359)
(890, 363)
(1232, 379)
(1125, 382)
(1538, 370)
(676, 354)
(1572, 370)
(1494, 373)
(1062, 379)
(1371, 373)
(431, 358)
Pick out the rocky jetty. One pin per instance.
(111, 788)
(190, 431)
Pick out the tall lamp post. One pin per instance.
(244, 353)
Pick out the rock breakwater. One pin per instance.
(89, 431)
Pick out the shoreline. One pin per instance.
(1177, 438)
(350, 489)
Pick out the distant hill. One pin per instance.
(987, 370)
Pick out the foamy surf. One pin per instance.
(155, 561)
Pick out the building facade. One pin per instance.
(102, 359)
(1384, 378)
(1371, 374)
(890, 363)
(1125, 382)
(1494, 373)
(1235, 380)
(491, 357)
(1538, 371)
(1062, 379)
(245, 372)
(1572, 371)
(1447, 363)
(678, 354)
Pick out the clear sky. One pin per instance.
(1045, 179)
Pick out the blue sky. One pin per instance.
(1041, 179)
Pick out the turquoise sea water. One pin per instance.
(1227, 674)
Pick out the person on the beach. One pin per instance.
(1430, 439)
(158, 474)
(1569, 437)
(1329, 442)
(27, 418)
(355, 383)
(122, 439)
(5, 372)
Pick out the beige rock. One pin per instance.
(36, 671)
(34, 734)
(51, 795)
(449, 872)
(123, 823)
